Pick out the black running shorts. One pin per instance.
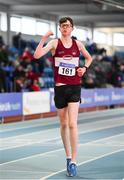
(65, 94)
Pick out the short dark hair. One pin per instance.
(65, 19)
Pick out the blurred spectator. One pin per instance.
(2, 81)
(105, 57)
(100, 79)
(31, 74)
(35, 86)
(19, 71)
(121, 76)
(3, 54)
(1, 41)
(27, 54)
(36, 68)
(115, 60)
(9, 69)
(18, 42)
(117, 76)
(91, 46)
(19, 84)
(89, 83)
(89, 42)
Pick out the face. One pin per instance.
(66, 28)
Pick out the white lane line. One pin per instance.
(84, 162)
(29, 126)
(114, 118)
(28, 134)
(101, 113)
(22, 171)
(109, 119)
(61, 149)
(107, 145)
(41, 154)
(43, 141)
(29, 144)
(27, 140)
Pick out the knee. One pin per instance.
(72, 125)
(64, 124)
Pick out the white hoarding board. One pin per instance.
(36, 102)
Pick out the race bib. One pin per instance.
(66, 69)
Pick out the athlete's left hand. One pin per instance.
(81, 71)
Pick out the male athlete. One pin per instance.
(67, 76)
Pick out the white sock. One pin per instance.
(68, 157)
(73, 162)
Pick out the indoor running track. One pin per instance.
(33, 149)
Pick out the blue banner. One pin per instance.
(117, 96)
(52, 104)
(87, 98)
(102, 97)
(10, 104)
(96, 97)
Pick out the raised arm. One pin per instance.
(40, 50)
(87, 56)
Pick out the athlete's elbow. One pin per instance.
(36, 56)
(88, 57)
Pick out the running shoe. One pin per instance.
(72, 170)
(68, 161)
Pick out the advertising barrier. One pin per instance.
(117, 96)
(96, 97)
(10, 104)
(28, 103)
(36, 102)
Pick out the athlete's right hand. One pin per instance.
(48, 34)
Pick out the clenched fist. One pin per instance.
(81, 71)
(48, 34)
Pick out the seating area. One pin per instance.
(20, 72)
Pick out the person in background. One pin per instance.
(35, 86)
(1, 41)
(16, 40)
(67, 77)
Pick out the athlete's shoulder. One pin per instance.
(54, 43)
(80, 44)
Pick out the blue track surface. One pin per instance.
(31, 150)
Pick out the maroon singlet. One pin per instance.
(66, 62)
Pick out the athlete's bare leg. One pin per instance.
(68, 124)
(73, 115)
(64, 128)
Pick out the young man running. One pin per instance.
(67, 76)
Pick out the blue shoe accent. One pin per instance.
(67, 164)
(72, 170)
